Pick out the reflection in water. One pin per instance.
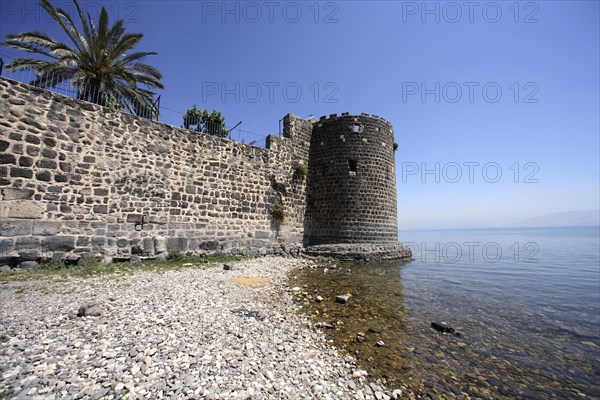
(374, 313)
(493, 356)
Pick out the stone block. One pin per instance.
(100, 209)
(148, 245)
(33, 139)
(15, 228)
(48, 141)
(58, 243)
(194, 244)
(16, 194)
(98, 240)
(21, 173)
(25, 161)
(27, 242)
(100, 192)
(33, 122)
(49, 164)
(160, 244)
(262, 234)
(7, 159)
(22, 209)
(137, 250)
(29, 254)
(47, 228)
(7, 246)
(43, 176)
(176, 244)
(209, 245)
(32, 150)
(134, 217)
(29, 265)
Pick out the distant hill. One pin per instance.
(571, 218)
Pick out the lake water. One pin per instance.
(525, 304)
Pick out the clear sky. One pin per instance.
(495, 105)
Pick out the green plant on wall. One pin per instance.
(211, 123)
(300, 170)
(278, 213)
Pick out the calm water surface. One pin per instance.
(525, 302)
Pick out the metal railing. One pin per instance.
(148, 108)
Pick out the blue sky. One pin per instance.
(473, 89)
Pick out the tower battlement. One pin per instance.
(345, 115)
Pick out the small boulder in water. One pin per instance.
(325, 325)
(442, 327)
(343, 298)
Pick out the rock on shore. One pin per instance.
(192, 333)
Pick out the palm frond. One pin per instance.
(144, 69)
(19, 64)
(115, 33)
(98, 59)
(59, 16)
(36, 38)
(137, 56)
(87, 29)
(29, 47)
(127, 42)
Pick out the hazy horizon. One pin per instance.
(584, 218)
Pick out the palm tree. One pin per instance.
(96, 63)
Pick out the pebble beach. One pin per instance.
(215, 332)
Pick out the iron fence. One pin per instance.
(142, 106)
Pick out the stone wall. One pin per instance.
(352, 181)
(77, 178)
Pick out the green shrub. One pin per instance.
(199, 120)
(175, 256)
(278, 214)
(300, 170)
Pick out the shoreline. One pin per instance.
(188, 333)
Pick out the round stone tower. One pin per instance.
(352, 181)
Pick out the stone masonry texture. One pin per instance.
(352, 181)
(79, 179)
